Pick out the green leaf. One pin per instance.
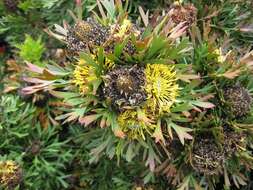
(90, 61)
(182, 107)
(149, 177)
(158, 133)
(118, 49)
(57, 70)
(203, 104)
(130, 152)
(98, 150)
(152, 158)
(101, 57)
(182, 132)
(96, 83)
(65, 95)
(157, 44)
(75, 101)
(31, 50)
(175, 51)
(49, 4)
(110, 8)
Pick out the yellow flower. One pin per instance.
(108, 64)
(83, 76)
(161, 87)
(135, 124)
(7, 171)
(124, 29)
(8, 166)
(121, 30)
(220, 57)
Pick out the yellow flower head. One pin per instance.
(121, 30)
(83, 76)
(8, 170)
(220, 57)
(124, 29)
(108, 64)
(135, 124)
(161, 87)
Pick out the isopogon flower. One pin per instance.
(10, 174)
(135, 124)
(161, 87)
(238, 100)
(124, 86)
(207, 156)
(86, 34)
(120, 31)
(83, 75)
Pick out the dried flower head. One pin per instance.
(186, 13)
(238, 100)
(124, 86)
(10, 174)
(161, 87)
(86, 34)
(207, 157)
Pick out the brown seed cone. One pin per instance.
(86, 34)
(34, 148)
(16, 180)
(238, 100)
(124, 86)
(186, 13)
(207, 157)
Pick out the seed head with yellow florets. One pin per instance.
(10, 174)
(85, 74)
(161, 87)
(135, 124)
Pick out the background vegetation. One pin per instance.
(55, 155)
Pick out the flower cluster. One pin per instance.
(10, 174)
(138, 92)
(151, 91)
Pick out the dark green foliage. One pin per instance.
(42, 156)
(32, 16)
(105, 174)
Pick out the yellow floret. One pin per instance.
(161, 87)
